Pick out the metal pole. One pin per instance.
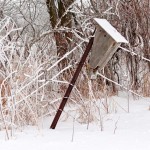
(72, 83)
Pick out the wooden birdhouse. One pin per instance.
(107, 40)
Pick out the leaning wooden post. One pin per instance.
(72, 83)
(105, 43)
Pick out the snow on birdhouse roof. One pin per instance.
(104, 24)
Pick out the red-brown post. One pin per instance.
(72, 83)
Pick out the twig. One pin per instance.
(73, 129)
(116, 125)
(118, 84)
(133, 53)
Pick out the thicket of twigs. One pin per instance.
(32, 84)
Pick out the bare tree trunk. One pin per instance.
(60, 16)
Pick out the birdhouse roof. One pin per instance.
(104, 24)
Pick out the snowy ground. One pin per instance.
(132, 132)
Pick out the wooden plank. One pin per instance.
(111, 31)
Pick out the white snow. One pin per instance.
(132, 132)
(111, 30)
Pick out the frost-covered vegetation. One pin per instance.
(41, 43)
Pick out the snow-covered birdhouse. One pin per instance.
(107, 40)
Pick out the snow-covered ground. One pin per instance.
(132, 132)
